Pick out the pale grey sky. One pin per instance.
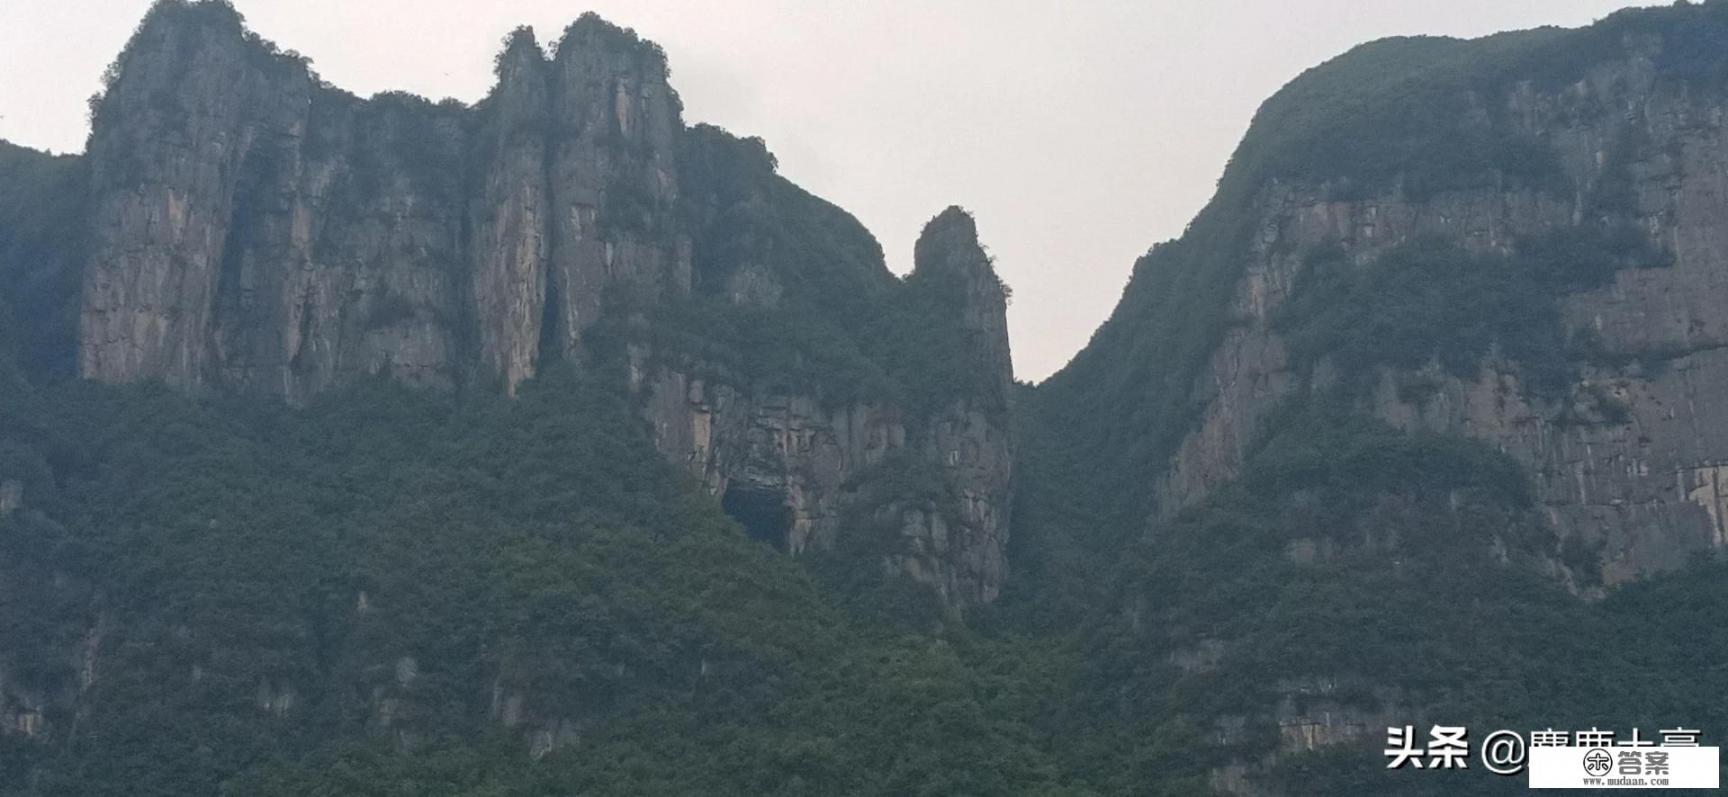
(1079, 133)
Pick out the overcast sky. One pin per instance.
(1079, 133)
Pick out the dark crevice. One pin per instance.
(762, 511)
(550, 346)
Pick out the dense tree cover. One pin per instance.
(1409, 116)
(230, 555)
(792, 294)
(1406, 574)
(1382, 578)
(41, 207)
(261, 587)
(1431, 300)
(1428, 114)
(394, 592)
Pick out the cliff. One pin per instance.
(1442, 346)
(253, 230)
(798, 470)
(1586, 193)
(597, 309)
(1620, 442)
(550, 445)
(227, 595)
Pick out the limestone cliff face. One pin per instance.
(797, 467)
(165, 187)
(512, 242)
(1645, 483)
(966, 555)
(256, 230)
(949, 258)
(615, 169)
(253, 228)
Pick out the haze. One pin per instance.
(1078, 133)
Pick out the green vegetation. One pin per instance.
(1409, 116)
(186, 20)
(1354, 570)
(393, 592)
(231, 556)
(41, 250)
(1351, 568)
(1432, 301)
(834, 319)
(1428, 114)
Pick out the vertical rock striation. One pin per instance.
(170, 138)
(1626, 459)
(804, 468)
(615, 171)
(256, 230)
(510, 248)
(968, 437)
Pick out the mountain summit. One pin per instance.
(551, 445)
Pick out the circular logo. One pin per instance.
(1598, 762)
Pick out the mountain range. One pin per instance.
(553, 445)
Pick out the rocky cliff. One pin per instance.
(1626, 455)
(1380, 440)
(255, 230)
(798, 469)
(1603, 166)
(1444, 345)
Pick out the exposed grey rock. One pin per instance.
(510, 249)
(1644, 488)
(614, 171)
(948, 254)
(801, 455)
(169, 141)
(254, 228)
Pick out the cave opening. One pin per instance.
(762, 511)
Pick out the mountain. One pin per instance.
(552, 445)
(252, 230)
(1413, 424)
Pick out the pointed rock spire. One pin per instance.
(949, 260)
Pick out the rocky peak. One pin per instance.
(591, 40)
(1335, 265)
(511, 242)
(168, 141)
(614, 170)
(949, 262)
(178, 32)
(255, 230)
(949, 242)
(521, 60)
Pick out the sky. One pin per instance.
(1079, 133)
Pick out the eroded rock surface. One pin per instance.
(1641, 485)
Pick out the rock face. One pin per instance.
(256, 230)
(510, 252)
(795, 468)
(965, 554)
(949, 257)
(1643, 484)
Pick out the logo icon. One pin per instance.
(1598, 762)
